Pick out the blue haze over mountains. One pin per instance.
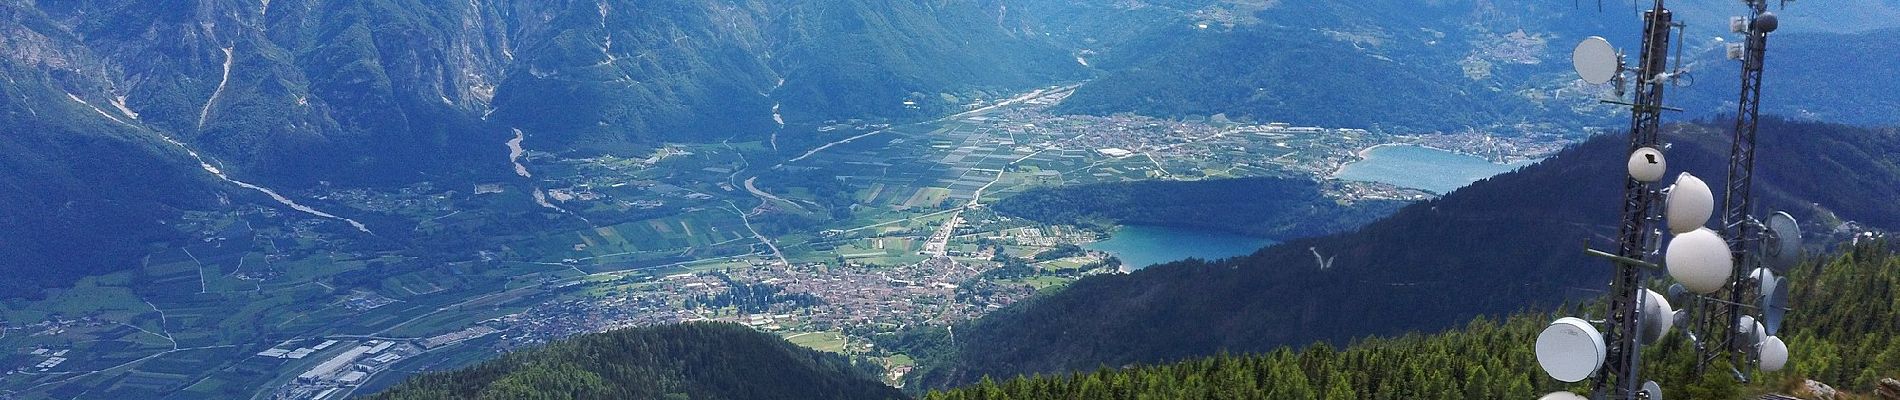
(386, 93)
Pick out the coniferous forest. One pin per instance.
(685, 361)
(1840, 333)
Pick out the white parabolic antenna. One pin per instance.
(1570, 349)
(1774, 354)
(1563, 396)
(1658, 317)
(1767, 282)
(1595, 60)
(1761, 334)
(1689, 205)
(1750, 331)
(1647, 164)
(1699, 260)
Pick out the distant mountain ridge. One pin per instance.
(1497, 66)
(293, 91)
(1497, 246)
(107, 99)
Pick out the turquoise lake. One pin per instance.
(1422, 168)
(1139, 246)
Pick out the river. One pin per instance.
(1139, 246)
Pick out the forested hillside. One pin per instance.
(103, 100)
(1501, 245)
(1495, 65)
(1836, 337)
(1839, 334)
(687, 361)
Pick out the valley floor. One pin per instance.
(274, 303)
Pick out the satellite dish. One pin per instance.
(1595, 60)
(1774, 354)
(1784, 241)
(1570, 349)
(1699, 260)
(1647, 164)
(1689, 205)
(1775, 306)
(1658, 317)
(1652, 390)
(1563, 396)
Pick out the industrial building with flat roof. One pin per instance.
(331, 366)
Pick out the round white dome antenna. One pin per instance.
(1689, 204)
(1596, 60)
(1750, 333)
(1571, 349)
(1647, 164)
(1700, 260)
(1563, 396)
(1658, 316)
(1774, 354)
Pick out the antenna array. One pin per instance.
(1729, 322)
(1735, 304)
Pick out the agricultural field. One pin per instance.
(589, 242)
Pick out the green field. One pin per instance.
(821, 341)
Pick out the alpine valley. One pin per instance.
(739, 199)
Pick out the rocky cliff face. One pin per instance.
(120, 106)
(294, 91)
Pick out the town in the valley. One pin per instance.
(688, 233)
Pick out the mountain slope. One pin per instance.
(1833, 337)
(694, 360)
(117, 102)
(1497, 246)
(84, 190)
(295, 91)
(1499, 66)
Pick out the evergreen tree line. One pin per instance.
(684, 361)
(1839, 333)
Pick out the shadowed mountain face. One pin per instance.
(1497, 246)
(1498, 66)
(110, 106)
(694, 360)
(296, 91)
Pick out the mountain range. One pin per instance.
(296, 95)
(126, 114)
(126, 121)
(1496, 66)
(1504, 244)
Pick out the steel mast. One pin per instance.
(1636, 236)
(1739, 225)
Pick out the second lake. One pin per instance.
(1422, 168)
(1139, 246)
